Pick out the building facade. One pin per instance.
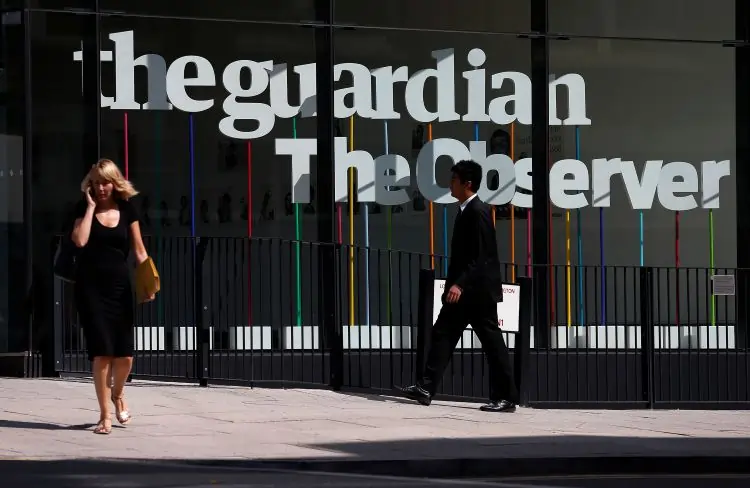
(630, 120)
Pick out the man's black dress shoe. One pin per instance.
(416, 392)
(501, 406)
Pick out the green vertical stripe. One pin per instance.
(159, 244)
(389, 236)
(711, 258)
(298, 238)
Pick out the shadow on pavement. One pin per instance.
(75, 473)
(442, 458)
(165, 474)
(15, 424)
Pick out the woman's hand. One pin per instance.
(89, 199)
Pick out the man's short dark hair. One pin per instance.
(498, 133)
(468, 171)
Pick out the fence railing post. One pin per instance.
(523, 339)
(202, 314)
(58, 319)
(426, 304)
(329, 295)
(647, 334)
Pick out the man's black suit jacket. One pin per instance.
(474, 265)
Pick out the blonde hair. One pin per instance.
(107, 170)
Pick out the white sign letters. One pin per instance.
(382, 179)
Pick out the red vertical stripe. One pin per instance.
(341, 224)
(249, 189)
(249, 233)
(528, 242)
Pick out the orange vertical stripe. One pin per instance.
(553, 283)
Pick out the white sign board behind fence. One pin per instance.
(723, 285)
(507, 311)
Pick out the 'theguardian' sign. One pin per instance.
(383, 179)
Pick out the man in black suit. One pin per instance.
(473, 288)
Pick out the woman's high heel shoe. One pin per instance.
(123, 416)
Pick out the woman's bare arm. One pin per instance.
(136, 242)
(82, 228)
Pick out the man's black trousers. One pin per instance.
(481, 313)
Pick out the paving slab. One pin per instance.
(47, 420)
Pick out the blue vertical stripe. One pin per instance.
(192, 178)
(581, 314)
(642, 239)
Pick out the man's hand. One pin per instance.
(454, 294)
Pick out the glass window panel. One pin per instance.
(473, 15)
(674, 19)
(671, 105)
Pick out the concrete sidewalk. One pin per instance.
(48, 420)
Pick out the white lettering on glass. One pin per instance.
(356, 97)
(369, 93)
(570, 182)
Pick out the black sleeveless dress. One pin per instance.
(103, 291)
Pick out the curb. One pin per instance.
(505, 467)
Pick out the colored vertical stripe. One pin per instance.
(432, 215)
(126, 144)
(677, 264)
(569, 309)
(528, 241)
(339, 211)
(389, 237)
(641, 237)
(445, 239)
(568, 304)
(351, 225)
(340, 219)
(249, 232)
(159, 245)
(602, 271)
(603, 275)
(297, 250)
(550, 256)
(529, 216)
(580, 241)
(446, 251)
(366, 211)
(191, 149)
(192, 177)
(494, 220)
(513, 208)
(249, 188)
(711, 259)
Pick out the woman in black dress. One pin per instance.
(106, 228)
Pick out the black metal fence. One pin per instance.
(274, 311)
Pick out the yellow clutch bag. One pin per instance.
(146, 280)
